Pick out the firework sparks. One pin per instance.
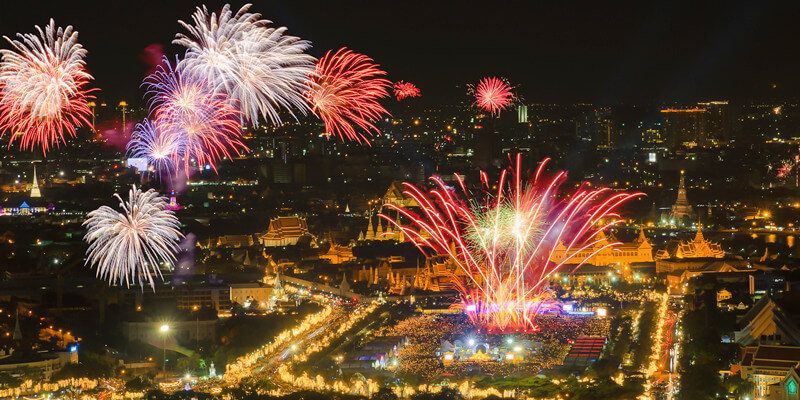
(504, 247)
(403, 90)
(345, 91)
(43, 91)
(493, 95)
(201, 122)
(152, 143)
(129, 246)
(260, 67)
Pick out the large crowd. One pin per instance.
(419, 359)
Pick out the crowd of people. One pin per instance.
(419, 359)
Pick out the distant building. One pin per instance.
(766, 323)
(638, 251)
(764, 366)
(182, 331)
(522, 114)
(35, 193)
(708, 124)
(698, 247)
(394, 195)
(685, 126)
(681, 209)
(718, 123)
(285, 231)
(257, 294)
(235, 241)
(379, 233)
(338, 254)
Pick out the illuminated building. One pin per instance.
(652, 136)
(338, 254)
(379, 233)
(522, 114)
(681, 209)
(189, 298)
(35, 193)
(718, 121)
(598, 126)
(764, 366)
(187, 332)
(394, 195)
(235, 241)
(285, 231)
(698, 247)
(766, 323)
(256, 294)
(637, 251)
(685, 126)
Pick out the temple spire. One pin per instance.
(35, 188)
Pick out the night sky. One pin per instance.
(601, 52)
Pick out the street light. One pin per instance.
(164, 331)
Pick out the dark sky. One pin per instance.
(556, 51)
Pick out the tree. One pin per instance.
(138, 384)
(384, 393)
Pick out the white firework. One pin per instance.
(130, 245)
(42, 86)
(149, 141)
(258, 66)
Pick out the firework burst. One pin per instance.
(493, 95)
(504, 246)
(43, 91)
(128, 246)
(403, 90)
(344, 92)
(159, 148)
(202, 124)
(260, 67)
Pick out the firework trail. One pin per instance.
(403, 90)
(258, 66)
(204, 123)
(504, 245)
(159, 148)
(43, 91)
(128, 246)
(345, 91)
(493, 95)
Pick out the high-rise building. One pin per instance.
(685, 126)
(718, 125)
(597, 126)
(708, 124)
(522, 114)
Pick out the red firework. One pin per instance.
(344, 92)
(404, 90)
(204, 124)
(43, 91)
(493, 95)
(507, 244)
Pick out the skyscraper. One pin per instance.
(685, 126)
(718, 125)
(522, 114)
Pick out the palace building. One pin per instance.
(285, 231)
(638, 251)
(394, 195)
(692, 255)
